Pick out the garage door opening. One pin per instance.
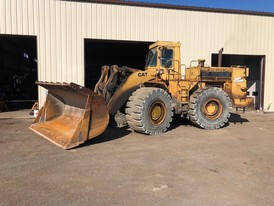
(255, 81)
(18, 72)
(109, 52)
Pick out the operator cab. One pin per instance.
(164, 58)
(163, 55)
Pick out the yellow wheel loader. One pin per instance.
(145, 100)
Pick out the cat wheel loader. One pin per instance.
(145, 100)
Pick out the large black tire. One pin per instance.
(149, 111)
(209, 108)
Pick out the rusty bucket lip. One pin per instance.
(59, 145)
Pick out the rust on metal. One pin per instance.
(212, 108)
(71, 115)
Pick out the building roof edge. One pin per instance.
(177, 7)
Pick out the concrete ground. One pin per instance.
(184, 166)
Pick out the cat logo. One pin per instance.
(142, 74)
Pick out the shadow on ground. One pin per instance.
(236, 118)
(177, 122)
(111, 133)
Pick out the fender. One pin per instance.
(130, 84)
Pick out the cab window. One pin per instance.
(167, 58)
(151, 59)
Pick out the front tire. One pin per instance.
(209, 108)
(149, 111)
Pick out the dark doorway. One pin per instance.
(18, 71)
(110, 52)
(256, 72)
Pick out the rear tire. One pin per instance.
(149, 111)
(209, 108)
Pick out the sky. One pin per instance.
(250, 5)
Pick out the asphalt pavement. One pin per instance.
(184, 166)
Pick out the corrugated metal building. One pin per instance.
(63, 28)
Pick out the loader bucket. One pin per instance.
(71, 115)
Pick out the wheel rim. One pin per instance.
(157, 112)
(212, 109)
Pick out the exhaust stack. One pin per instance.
(220, 57)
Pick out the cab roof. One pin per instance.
(164, 43)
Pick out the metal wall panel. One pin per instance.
(62, 26)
